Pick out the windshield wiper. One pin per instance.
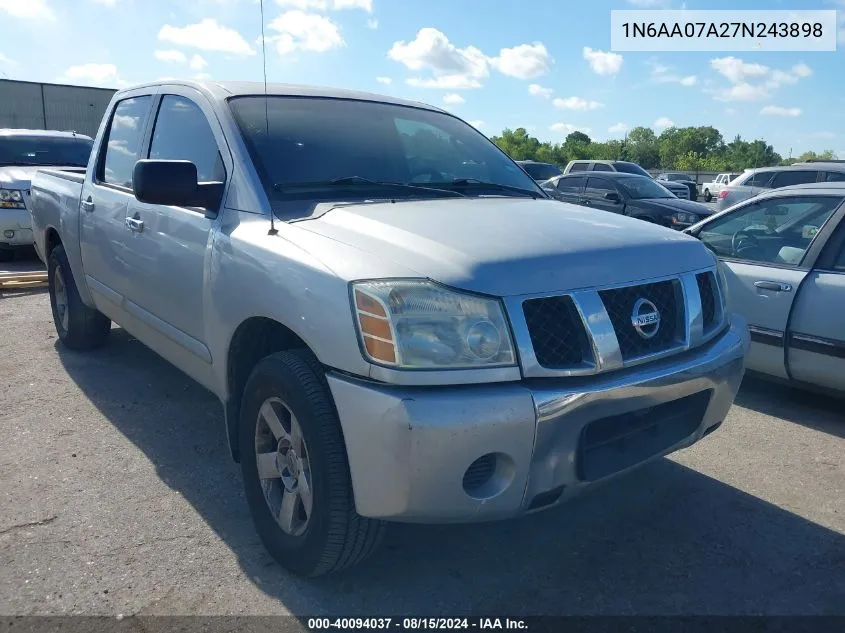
(480, 184)
(360, 181)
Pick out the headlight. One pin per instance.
(686, 218)
(418, 324)
(11, 199)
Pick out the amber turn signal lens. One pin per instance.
(375, 328)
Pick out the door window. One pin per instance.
(601, 167)
(760, 179)
(571, 185)
(835, 176)
(182, 132)
(597, 187)
(123, 141)
(839, 264)
(788, 178)
(773, 231)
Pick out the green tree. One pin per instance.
(642, 147)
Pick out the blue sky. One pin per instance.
(548, 68)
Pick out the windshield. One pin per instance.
(541, 171)
(44, 151)
(640, 188)
(631, 168)
(320, 140)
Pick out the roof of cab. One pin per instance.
(48, 133)
(823, 188)
(221, 90)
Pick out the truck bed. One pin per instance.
(55, 195)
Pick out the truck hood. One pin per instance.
(17, 177)
(510, 246)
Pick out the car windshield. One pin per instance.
(641, 188)
(40, 151)
(332, 149)
(631, 168)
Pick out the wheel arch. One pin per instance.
(254, 339)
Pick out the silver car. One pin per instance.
(784, 256)
(755, 181)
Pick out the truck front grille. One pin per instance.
(707, 290)
(620, 304)
(556, 330)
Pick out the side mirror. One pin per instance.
(612, 196)
(174, 183)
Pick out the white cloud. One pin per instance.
(618, 128)
(170, 56)
(305, 32)
(446, 82)
(372, 23)
(28, 9)
(197, 63)
(207, 35)
(538, 91)
(576, 103)
(453, 68)
(603, 63)
(7, 60)
(663, 122)
(525, 61)
(94, 74)
(384, 80)
(740, 74)
(568, 128)
(327, 5)
(478, 125)
(453, 99)
(779, 111)
(662, 74)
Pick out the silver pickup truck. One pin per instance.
(399, 323)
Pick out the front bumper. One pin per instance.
(15, 228)
(538, 442)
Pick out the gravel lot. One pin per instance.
(117, 496)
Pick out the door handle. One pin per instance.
(88, 204)
(134, 224)
(773, 285)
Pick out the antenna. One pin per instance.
(273, 230)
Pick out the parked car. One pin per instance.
(784, 253)
(625, 167)
(684, 179)
(712, 188)
(390, 340)
(22, 152)
(755, 181)
(628, 194)
(539, 171)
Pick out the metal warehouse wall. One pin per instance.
(40, 106)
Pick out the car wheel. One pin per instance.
(78, 326)
(295, 471)
(707, 195)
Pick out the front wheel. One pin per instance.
(78, 326)
(295, 470)
(707, 195)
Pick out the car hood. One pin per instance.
(509, 246)
(677, 204)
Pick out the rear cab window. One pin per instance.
(602, 167)
(579, 167)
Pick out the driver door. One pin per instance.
(763, 245)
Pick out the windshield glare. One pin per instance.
(317, 140)
(640, 188)
(44, 151)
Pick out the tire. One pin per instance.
(334, 536)
(707, 195)
(84, 328)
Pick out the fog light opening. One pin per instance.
(489, 476)
(8, 234)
